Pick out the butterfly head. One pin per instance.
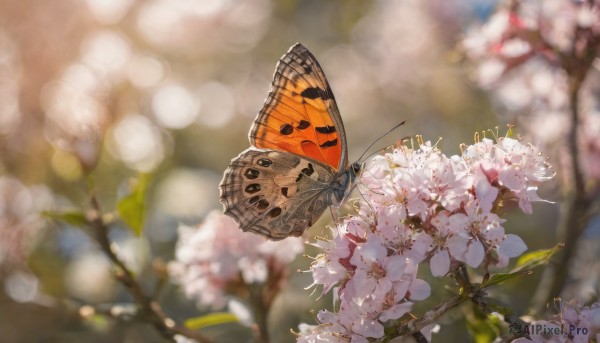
(344, 183)
(356, 168)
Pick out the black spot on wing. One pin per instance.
(325, 129)
(276, 211)
(286, 129)
(315, 92)
(251, 173)
(262, 204)
(308, 171)
(303, 125)
(329, 144)
(253, 188)
(284, 191)
(264, 162)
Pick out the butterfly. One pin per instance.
(297, 165)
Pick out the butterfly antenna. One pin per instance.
(380, 137)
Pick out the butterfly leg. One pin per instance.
(336, 219)
(334, 215)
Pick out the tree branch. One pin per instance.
(415, 325)
(472, 292)
(149, 310)
(576, 64)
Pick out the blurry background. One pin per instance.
(111, 88)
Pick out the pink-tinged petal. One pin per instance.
(368, 327)
(441, 221)
(325, 317)
(489, 170)
(502, 261)
(396, 311)
(486, 193)
(384, 285)
(494, 233)
(419, 290)
(401, 287)
(395, 266)
(421, 244)
(411, 267)
(475, 254)
(569, 314)
(524, 202)
(512, 246)
(361, 285)
(457, 246)
(512, 178)
(392, 215)
(440, 263)
(416, 206)
(373, 251)
(429, 329)
(458, 222)
(378, 167)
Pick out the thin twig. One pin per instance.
(415, 325)
(469, 292)
(577, 64)
(478, 296)
(149, 310)
(573, 223)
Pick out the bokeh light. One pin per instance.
(109, 11)
(145, 71)
(106, 52)
(137, 142)
(89, 277)
(21, 286)
(174, 106)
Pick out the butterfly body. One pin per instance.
(297, 165)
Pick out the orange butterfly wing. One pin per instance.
(300, 114)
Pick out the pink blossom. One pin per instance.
(525, 56)
(445, 225)
(216, 254)
(575, 323)
(420, 206)
(327, 269)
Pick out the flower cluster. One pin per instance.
(217, 257)
(532, 56)
(574, 323)
(545, 30)
(421, 206)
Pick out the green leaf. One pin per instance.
(132, 207)
(503, 310)
(73, 217)
(524, 265)
(210, 319)
(501, 277)
(485, 330)
(536, 258)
